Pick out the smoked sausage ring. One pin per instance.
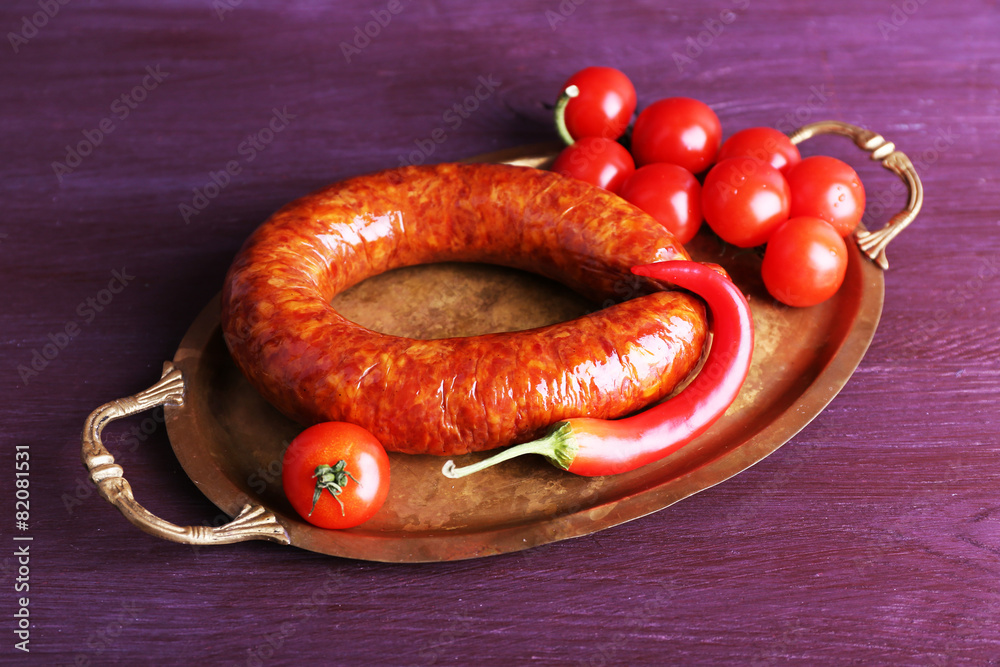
(457, 395)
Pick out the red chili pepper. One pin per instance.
(594, 447)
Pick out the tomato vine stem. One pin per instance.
(560, 113)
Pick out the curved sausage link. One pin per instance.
(457, 395)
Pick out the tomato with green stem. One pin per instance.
(669, 193)
(596, 102)
(805, 262)
(335, 475)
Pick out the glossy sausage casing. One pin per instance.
(457, 395)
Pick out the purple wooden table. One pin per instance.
(142, 143)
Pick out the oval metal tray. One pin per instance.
(230, 441)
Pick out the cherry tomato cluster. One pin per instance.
(752, 190)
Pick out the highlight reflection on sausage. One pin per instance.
(457, 395)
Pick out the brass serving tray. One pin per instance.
(230, 441)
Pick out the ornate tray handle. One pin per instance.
(253, 522)
(873, 244)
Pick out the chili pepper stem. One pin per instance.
(558, 446)
(560, 113)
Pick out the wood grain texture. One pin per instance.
(873, 537)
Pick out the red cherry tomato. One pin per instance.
(597, 161)
(335, 475)
(744, 200)
(669, 193)
(804, 262)
(604, 106)
(678, 130)
(827, 188)
(764, 143)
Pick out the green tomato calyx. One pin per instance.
(333, 479)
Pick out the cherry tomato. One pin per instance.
(678, 130)
(764, 143)
(744, 200)
(604, 106)
(335, 475)
(827, 188)
(804, 262)
(597, 161)
(669, 193)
